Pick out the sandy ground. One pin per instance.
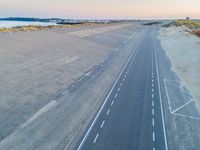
(52, 82)
(90, 32)
(184, 51)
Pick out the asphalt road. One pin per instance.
(131, 116)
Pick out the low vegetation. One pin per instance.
(27, 28)
(193, 25)
(36, 28)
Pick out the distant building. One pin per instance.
(187, 18)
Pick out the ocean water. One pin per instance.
(10, 24)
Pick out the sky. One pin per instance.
(101, 9)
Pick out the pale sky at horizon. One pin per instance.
(101, 9)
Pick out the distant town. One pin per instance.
(60, 20)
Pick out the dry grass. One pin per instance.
(192, 24)
(189, 23)
(30, 28)
(36, 28)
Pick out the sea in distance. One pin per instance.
(11, 24)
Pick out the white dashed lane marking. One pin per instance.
(102, 124)
(152, 111)
(108, 112)
(152, 103)
(152, 95)
(112, 103)
(96, 137)
(153, 135)
(116, 95)
(118, 89)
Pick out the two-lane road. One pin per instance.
(131, 116)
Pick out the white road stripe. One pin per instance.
(152, 111)
(118, 89)
(160, 97)
(112, 103)
(152, 90)
(152, 95)
(116, 95)
(125, 42)
(117, 49)
(108, 112)
(153, 135)
(102, 124)
(152, 85)
(121, 84)
(152, 103)
(123, 79)
(40, 112)
(153, 123)
(96, 137)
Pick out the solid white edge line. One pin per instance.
(134, 52)
(161, 104)
(167, 96)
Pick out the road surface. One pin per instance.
(131, 116)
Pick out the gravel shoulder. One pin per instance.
(183, 49)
